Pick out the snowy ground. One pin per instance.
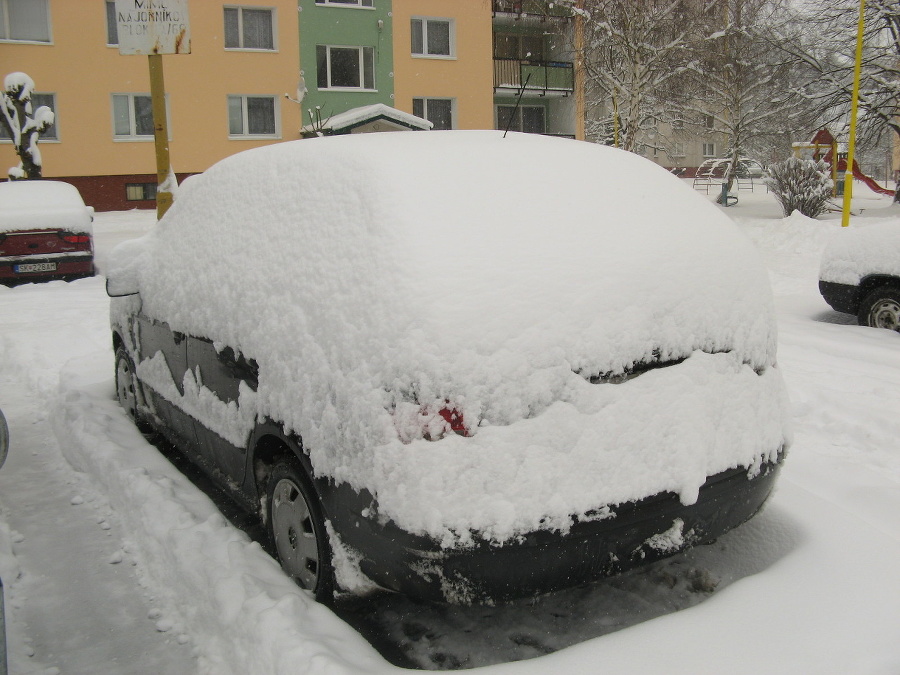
(114, 562)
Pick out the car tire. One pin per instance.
(126, 392)
(297, 531)
(880, 308)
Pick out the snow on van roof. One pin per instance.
(30, 204)
(379, 273)
(854, 253)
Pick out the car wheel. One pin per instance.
(881, 308)
(126, 392)
(297, 531)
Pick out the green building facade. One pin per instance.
(346, 56)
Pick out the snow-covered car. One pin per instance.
(45, 232)
(750, 168)
(860, 274)
(429, 365)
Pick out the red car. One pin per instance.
(45, 232)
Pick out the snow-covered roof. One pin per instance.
(345, 122)
(31, 204)
(372, 275)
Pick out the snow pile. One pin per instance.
(42, 204)
(857, 252)
(189, 550)
(373, 275)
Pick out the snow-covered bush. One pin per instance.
(800, 185)
(23, 124)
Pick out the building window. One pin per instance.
(38, 100)
(132, 116)
(140, 192)
(518, 46)
(709, 121)
(25, 20)
(345, 67)
(709, 149)
(252, 116)
(530, 119)
(249, 28)
(678, 121)
(432, 37)
(112, 31)
(347, 3)
(438, 111)
(678, 150)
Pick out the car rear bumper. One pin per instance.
(43, 268)
(631, 535)
(842, 297)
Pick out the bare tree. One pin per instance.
(827, 50)
(23, 125)
(636, 56)
(746, 89)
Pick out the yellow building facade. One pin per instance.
(99, 96)
(427, 84)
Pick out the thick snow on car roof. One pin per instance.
(36, 204)
(860, 251)
(371, 275)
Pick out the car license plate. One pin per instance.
(35, 267)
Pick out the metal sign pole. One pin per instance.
(161, 135)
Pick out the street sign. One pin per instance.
(153, 27)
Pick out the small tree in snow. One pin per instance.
(23, 124)
(800, 185)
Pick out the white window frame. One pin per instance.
(425, 20)
(349, 4)
(678, 149)
(133, 136)
(709, 149)
(245, 134)
(4, 23)
(363, 50)
(43, 138)
(426, 99)
(678, 121)
(273, 15)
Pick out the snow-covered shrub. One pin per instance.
(23, 125)
(800, 185)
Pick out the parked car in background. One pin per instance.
(750, 168)
(860, 274)
(426, 364)
(45, 232)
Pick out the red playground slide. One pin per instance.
(859, 175)
(875, 187)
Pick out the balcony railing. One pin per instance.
(531, 8)
(540, 75)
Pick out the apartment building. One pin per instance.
(227, 95)
(267, 71)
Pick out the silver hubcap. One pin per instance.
(885, 314)
(125, 387)
(295, 538)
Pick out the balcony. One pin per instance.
(544, 77)
(539, 8)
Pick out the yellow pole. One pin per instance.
(615, 120)
(848, 174)
(160, 134)
(579, 72)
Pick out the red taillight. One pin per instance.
(431, 422)
(74, 238)
(454, 418)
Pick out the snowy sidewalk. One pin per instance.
(78, 606)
